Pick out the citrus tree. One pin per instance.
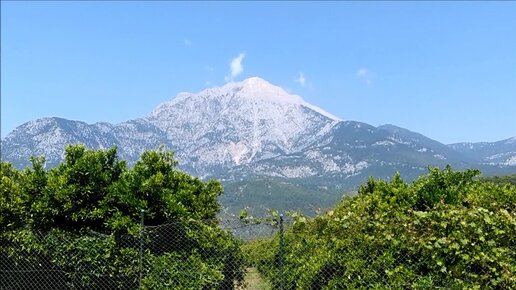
(444, 230)
(83, 219)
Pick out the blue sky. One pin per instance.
(443, 69)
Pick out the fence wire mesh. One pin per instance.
(211, 254)
(191, 254)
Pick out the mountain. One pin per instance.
(49, 136)
(430, 145)
(211, 131)
(501, 153)
(239, 123)
(353, 147)
(270, 148)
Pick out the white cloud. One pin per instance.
(209, 68)
(187, 42)
(236, 66)
(301, 79)
(366, 75)
(362, 72)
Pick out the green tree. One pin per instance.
(83, 218)
(11, 199)
(444, 230)
(74, 193)
(501, 179)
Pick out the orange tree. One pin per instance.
(82, 219)
(444, 230)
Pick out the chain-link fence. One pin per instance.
(215, 254)
(207, 254)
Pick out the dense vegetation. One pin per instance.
(501, 179)
(259, 195)
(78, 225)
(444, 230)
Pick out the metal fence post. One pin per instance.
(140, 266)
(282, 275)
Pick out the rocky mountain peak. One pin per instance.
(241, 122)
(258, 89)
(255, 93)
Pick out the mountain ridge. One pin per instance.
(489, 153)
(235, 116)
(252, 131)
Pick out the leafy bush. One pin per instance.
(175, 271)
(445, 229)
(80, 222)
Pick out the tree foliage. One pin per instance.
(501, 179)
(444, 230)
(83, 217)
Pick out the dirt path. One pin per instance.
(253, 281)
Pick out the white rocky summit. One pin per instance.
(241, 122)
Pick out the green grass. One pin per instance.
(253, 281)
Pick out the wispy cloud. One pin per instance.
(362, 72)
(187, 42)
(236, 67)
(301, 79)
(366, 75)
